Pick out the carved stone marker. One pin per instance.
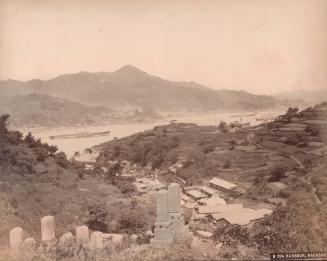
(174, 198)
(16, 239)
(181, 232)
(82, 235)
(48, 229)
(96, 243)
(163, 231)
(66, 240)
(29, 244)
(170, 223)
(162, 206)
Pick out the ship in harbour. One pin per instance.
(80, 135)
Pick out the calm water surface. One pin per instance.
(70, 146)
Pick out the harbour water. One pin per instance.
(70, 146)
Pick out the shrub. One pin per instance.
(312, 129)
(131, 221)
(292, 140)
(175, 141)
(156, 163)
(97, 215)
(208, 148)
(3, 123)
(227, 164)
(292, 110)
(222, 125)
(232, 142)
(14, 137)
(116, 151)
(231, 235)
(277, 174)
(125, 186)
(295, 228)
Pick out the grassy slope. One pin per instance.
(35, 182)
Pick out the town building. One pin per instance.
(230, 189)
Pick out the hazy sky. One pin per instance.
(262, 46)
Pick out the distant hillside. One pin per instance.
(130, 88)
(304, 97)
(43, 110)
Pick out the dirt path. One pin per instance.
(251, 135)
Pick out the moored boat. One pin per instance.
(80, 135)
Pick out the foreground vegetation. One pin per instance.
(36, 180)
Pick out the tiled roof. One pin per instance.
(218, 208)
(241, 216)
(223, 183)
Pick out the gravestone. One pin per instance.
(16, 239)
(66, 240)
(29, 244)
(181, 232)
(96, 243)
(82, 235)
(48, 228)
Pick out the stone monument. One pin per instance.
(66, 240)
(96, 243)
(30, 244)
(82, 235)
(48, 228)
(163, 231)
(16, 239)
(181, 232)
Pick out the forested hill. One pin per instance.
(43, 110)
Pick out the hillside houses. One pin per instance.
(209, 204)
(196, 194)
(227, 187)
(240, 216)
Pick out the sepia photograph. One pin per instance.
(157, 130)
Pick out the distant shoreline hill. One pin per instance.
(303, 97)
(130, 88)
(46, 111)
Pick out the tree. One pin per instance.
(222, 125)
(277, 174)
(157, 161)
(175, 141)
(4, 123)
(97, 217)
(116, 151)
(292, 110)
(297, 227)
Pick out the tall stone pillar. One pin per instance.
(48, 229)
(163, 231)
(162, 206)
(174, 198)
(181, 232)
(16, 239)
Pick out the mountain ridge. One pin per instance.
(307, 97)
(130, 88)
